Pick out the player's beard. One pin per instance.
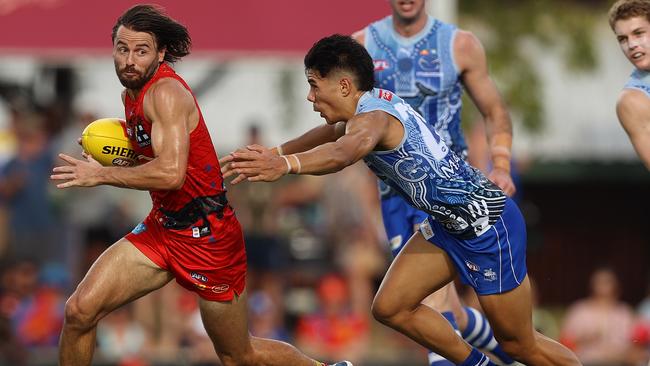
(139, 82)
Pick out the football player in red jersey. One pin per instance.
(191, 234)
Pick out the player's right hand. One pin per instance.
(226, 168)
(255, 163)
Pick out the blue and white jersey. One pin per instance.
(422, 71)
(639, 80)
(429, 175)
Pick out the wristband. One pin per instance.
(297, 163)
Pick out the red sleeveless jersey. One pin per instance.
(203, 177)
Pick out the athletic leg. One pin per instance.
(442, 301)
(227, 326)
(419, 270)
(478, 333)
(120, 275)
(510, 314)
(401, 220)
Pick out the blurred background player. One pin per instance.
(190, 211)
(427, 63)
(630, 21)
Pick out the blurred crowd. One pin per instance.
(316, 251)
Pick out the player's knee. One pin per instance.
(79, 313)
(386, 312)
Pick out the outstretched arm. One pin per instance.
(173, 113)
(312, 138)
(633, 110)
(363, 133)
(472, 62)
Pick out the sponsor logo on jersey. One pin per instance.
(381, 65)
(472, 266)
(198, 276)
(134, 125)
(489, 275)
(385, 94)
(218, 289)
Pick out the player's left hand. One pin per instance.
(256, 163)
(77, 173)
(503, 179)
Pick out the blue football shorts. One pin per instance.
(400, 221)
(492, 263)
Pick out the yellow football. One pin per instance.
(106, 141)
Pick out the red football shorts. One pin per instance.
(211, 263)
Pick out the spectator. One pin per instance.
(598, 328)
(32, 230)
(335, 329)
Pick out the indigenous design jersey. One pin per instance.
(203, 177)
(422, 71)
(639, 80)
(430, 176)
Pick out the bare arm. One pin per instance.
(363, 133)
(312, 138)
(633, 110)
(173, 113)
(472, 62)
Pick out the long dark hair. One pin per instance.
(168, 33)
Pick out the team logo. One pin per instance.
(412, 169)
(429, 61)
(489, 275)
(139, 229)
(472, 266)
(395, 242)
(198, 276)
(218, 289)
(381, 65)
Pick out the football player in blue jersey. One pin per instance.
(428, 63)
(630, 21)
(472, 229)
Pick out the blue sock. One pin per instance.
(434, 358)
(476, 358)
(479, 334)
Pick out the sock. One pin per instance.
(434, 358)
(476, 358)
(479, 334)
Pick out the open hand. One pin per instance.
(77, 173)
(254, 163)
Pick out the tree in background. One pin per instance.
(508, 29)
